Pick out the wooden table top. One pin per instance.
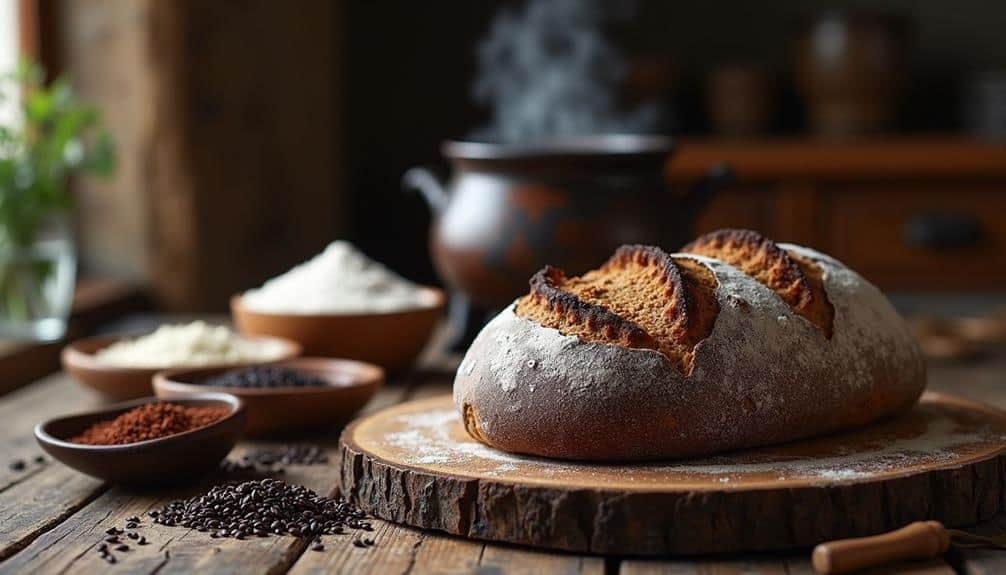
(52, 518)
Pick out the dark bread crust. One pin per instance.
(795, 279)
(675, 309)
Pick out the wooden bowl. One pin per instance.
(391, 340)
(119, 382)
(289, 410)
(156, 461)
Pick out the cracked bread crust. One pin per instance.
(670, 305)
(794, 278)
(763, 375)
(550, 305)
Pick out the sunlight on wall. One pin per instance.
(8, 57)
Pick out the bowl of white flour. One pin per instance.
(342, 303)
(122, 366)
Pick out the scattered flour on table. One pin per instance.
(429, 440)
(838, 474)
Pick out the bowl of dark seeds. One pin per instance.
(284, 398)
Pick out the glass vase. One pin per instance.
(36, 287)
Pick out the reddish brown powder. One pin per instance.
(150, 421)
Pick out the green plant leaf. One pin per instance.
(60, 135)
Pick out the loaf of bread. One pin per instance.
(735, 342)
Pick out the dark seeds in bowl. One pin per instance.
(262, 377)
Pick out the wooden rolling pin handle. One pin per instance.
(919, 540)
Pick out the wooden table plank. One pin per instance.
(68, 545)
(703, 567)
(36, 499)
(983, 561)
(446, 555)
(400, 549)
(981, 379)
(394, 551)
(51, 518)
(34, 506)
(22, 409)
(506, 559)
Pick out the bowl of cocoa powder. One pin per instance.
(147, 441)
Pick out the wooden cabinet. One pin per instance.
(909, 215)
(940, 236)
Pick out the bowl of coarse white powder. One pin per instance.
(122, 367)
(342, 303)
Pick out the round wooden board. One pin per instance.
(413, 463)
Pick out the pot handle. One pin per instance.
(705, 189)
(429, 184)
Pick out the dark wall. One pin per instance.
(409, 66)
(947, 42)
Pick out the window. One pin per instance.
(9, 50)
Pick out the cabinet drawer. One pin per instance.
(920, 237)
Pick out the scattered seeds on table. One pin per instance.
(17, 465)
(263, 507)
(293, 454)
(229, 466)
(122, 547)
(39, 459)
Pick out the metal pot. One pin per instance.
(509, 209)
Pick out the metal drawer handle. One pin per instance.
(943, 231)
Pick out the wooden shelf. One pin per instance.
(776, 159)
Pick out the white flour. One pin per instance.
(196, 343)
(341, 279)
